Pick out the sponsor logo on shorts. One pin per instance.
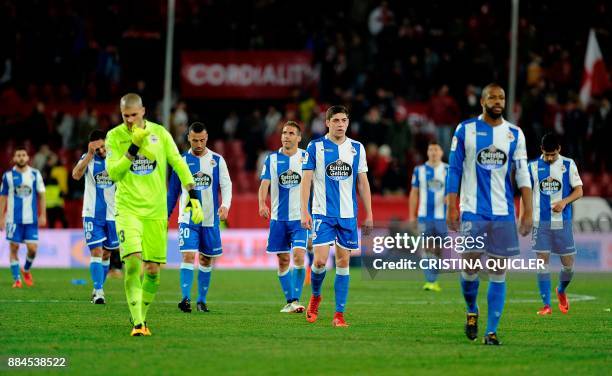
(23, 190)
(202, 180)
(338, 170)
(435, 185)
(289, 179)
(550, 186)
(142, 166)
(491, 158)
(102, 180)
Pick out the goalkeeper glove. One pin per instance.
(139, 135)
(139, 144)
(193, 206)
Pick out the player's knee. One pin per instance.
(205, 260)
(151, 268)
(188, 257)
(319, 263)
(96, 252)
(298, 259)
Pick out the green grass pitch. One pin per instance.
(396, 328)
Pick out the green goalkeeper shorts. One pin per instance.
(149, 236)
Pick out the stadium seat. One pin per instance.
(587, 178)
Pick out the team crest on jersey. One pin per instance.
(202, 181)
(353, 151)
(102, 180)
(304, 159)
(511, 136)
(289, 179)
(550, 186)
(142, 166)
(435, 185)
(491, 158)
(338, 170)
(563, 169)
(23, 190)
(153, 138)
(213, 163)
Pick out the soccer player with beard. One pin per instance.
(282, 175)
(484, 151)
(210, 174)
(24, 190)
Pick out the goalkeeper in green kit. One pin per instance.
(138, 153)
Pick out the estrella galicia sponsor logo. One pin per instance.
(339, 170)
(550, 186)
(23, 190)
(491, 158)
(289, 179)
(435, 185)
(142, 166)
(202, 181)
(102, 180)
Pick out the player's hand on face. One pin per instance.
(139, 135)
(222, 212)
(264, 211)
(452, 218)
(558, 206)
(92, 146)
(306, 221)
(42, 220)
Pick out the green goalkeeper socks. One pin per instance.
(150, 284)
(133, 288)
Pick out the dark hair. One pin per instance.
(491, 86)
(550, 142)
(336, 110)
(197, 127)
(96, 135)
(434, 142)
(293, 124)
(20, 147)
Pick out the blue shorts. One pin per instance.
(500, 236)
(433, 227)
(558, 241)
(22, 233)
(206, 240)
(330, 230)
(286, 235)
(100, 233)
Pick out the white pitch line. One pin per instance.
(573, 298)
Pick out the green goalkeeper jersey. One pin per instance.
(141, 183)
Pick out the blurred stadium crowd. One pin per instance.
(409, 71)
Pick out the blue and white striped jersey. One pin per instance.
(210, 174)
(99, 196)
(285, 175)
(22, 189)
(551, 184)
(335, 176)
(481, 160)
(431, 182)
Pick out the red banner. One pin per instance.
(246, 74)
